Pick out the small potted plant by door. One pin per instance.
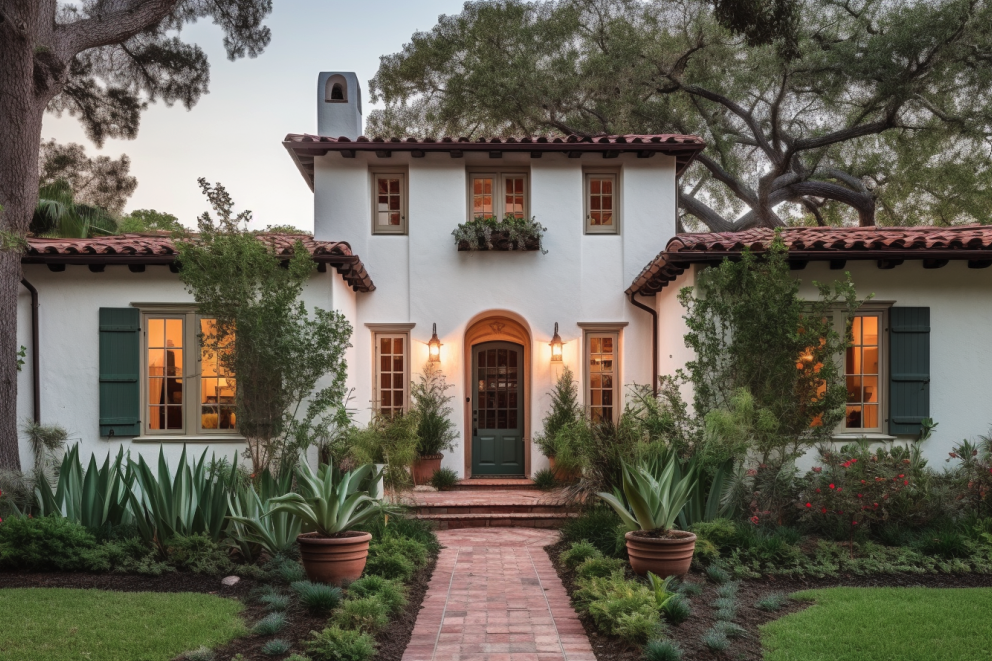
(435, 430)
(330, 505)
(563, 427)
(653, 504)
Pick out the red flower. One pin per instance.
(854, 523)
(862, 481)
(860, 496)
(901, 475)
(817, 491)
(809, 504)
(751, 472)
(831, 485)
(905, 482)
(839, 489)
(824, 510)
(754, 520)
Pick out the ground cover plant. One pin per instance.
(872, 624)
(41, 624)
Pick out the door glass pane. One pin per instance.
(498, 385)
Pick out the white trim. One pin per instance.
(602, 325)
(389, 328)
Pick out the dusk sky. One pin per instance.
(234, 134)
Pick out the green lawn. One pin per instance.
(885, 624)
(54, 624)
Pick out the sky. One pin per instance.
(234, 134)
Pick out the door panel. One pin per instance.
(497, 409)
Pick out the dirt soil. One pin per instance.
(299, 623)
(689, 634)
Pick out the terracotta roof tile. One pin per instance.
(965, 242)
(159, 248)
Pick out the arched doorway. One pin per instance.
(497, 421)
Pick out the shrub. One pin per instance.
(578, 553)
(677, 609)
(721, 532)
(601, 567)
(728, 590)
(662, 650)
(617, 605)
(444, 479)
(565, 410)
(729, 629)
(387, 440)
(386, 591)
(410, 549)
(601, 527)
(275, 602)
(724, 602)
(367, 614)
(725, 614)
(717, 574)
(276, 646)
(133, 556)
(269, 624)
(435, 429)
(317, 597)
(295, 657)
(389, 565)
(47, 543)
(199, 554)
(337, 644)
(690, 589)
(284, 570)
(716, 640)
(772, 602)
(546, 479)
(400, 526)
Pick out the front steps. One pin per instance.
(494, 483)
(491, 508)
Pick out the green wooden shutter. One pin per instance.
(909, 369)
(120, 352)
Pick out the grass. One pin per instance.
(876, 624)
(56, 624)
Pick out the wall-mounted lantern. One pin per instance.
(435, 347)
(556, 345)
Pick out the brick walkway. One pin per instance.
(495, 596)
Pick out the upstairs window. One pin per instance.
(495, 194)
(389, 203)
(601, 198)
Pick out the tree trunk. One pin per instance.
(20, 135)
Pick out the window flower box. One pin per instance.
(490, 233)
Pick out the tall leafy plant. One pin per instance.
(390, 440)
(330, 502)
(254, 524)
(57, 214)
(560, 439)
(435, 429)
(265, 335)
(96, 497)
(650, 502)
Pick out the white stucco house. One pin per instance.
(115, 358)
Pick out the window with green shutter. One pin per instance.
(120, 358)
(909, 369)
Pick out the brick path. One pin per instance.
(495, 596)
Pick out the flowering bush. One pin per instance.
(973, 471)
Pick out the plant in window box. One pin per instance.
(654, 500)
(491, 233)
(331, 505)
(435, 430)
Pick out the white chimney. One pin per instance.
(339, 104)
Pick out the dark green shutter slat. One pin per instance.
(909, 369)
(120, 352)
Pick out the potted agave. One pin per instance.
(330, 505)
(653, 503)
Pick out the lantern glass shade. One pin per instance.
(556, 346)
(434, 346)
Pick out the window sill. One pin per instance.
(871, 436)
(190, 438)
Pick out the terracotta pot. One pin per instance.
(424, 467)
(334, 560)
(565, 475)
(662, 556)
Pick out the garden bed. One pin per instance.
(748, 648)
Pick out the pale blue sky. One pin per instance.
(234, 134)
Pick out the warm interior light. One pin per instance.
(556, 345)
(435, 347)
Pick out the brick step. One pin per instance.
(498, 520)
(493, 508)
(474, 483)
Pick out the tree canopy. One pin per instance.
(859, 112)
(99, 181)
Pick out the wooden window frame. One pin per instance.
(380, 332)
(878, 309)
(392, 172)
(591, 331)
(499, 176)
(192, 383)
(587, 175)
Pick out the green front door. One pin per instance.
(497, 409)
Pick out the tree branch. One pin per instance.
(738, 188)
(112, 27)
(708, 216)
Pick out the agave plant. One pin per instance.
(95, 498)
(653, 502)
(190, 502)
(330, 502)
(254, 524)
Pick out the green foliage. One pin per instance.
(715, 640)
(253, 523)
(677, 609)
(662, 588)
(199, 554)
(275, 647)
(546, 479)
(317, 597)
(772, 602)
(22, 354)
(601, 527)
(285, 569)
(97, 498)
(45, 544)
(444, 479)
(390, 593)
(390, 565)
(396, 525)
(721, 532)
(690, 589)
(619, 607)
(269, 625)
(149, 220)
(654, 499)
(411, 549)
(565, 410)
(387, 440)
(202, 653)
(46, 442)
(717, 574)
(601, 567)
(329, 502)
(728, 590)
(286, 229)
(58, 214)
(510, 233)
(971, 473)
(662, 650)
(367, 614)
(436, 432)
(337, 644)
(578, 553)
(765, 356)
(264, 334)
(275, 601)
(729, 629)
(724, 603)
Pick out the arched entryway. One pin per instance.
(497, 407)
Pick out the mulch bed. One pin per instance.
(299, 623)
(688, 634)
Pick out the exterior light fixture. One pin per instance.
(556, 345)
(435, 347)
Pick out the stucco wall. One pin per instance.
(960, 302)
(422, 279)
